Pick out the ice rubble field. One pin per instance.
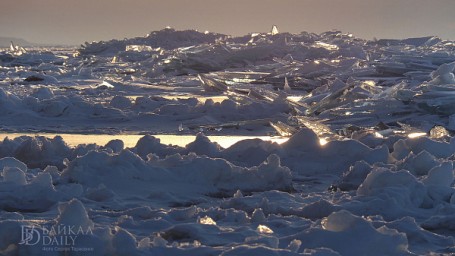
(367, 170)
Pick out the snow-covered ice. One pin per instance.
(364, 167)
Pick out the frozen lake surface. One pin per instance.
(189, 143)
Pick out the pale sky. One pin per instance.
(77, 21)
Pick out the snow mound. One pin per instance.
(203, 146)
(348, 234)
(12, 162)
(354, 176)
(31, 193)
(441, 175)
(304, 153)
(401, 185)
(40, 151)
(151, 145)
(121, 171)
(121, 102)
(74, 214)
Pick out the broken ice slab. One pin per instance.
(283, 129)
(439, 132)
(265, 94)
(274, 30)
(422, 66)
(217, 125)
(16, 49)
(418, 75)
(436, 99)
(441, 106)
(138, 48)
(330, 101)
(443, 75)
(239, 76)
(211, 85)
(320, 129)
(393, 68)
(295, 83)
(426, 41)
(255, 94)
(33, 58)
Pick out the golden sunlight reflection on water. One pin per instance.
(202, 99)
(131, 140)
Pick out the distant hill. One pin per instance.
(6, 41)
